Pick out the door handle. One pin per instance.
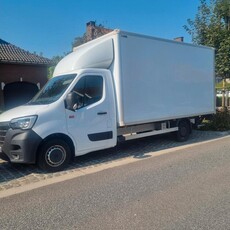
(101, 113)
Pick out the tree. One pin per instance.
(222, 11)
(198, 28)
(79, 40)
(211, 27)
(55, 60)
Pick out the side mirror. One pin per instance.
(71, 101)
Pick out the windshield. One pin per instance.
(53, 90)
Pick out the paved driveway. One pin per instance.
(18, 175)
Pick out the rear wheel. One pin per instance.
(54, 155)
(184, 131)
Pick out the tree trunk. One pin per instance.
(223, 94)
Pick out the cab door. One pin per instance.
(93, 123)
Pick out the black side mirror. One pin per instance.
(71, 101)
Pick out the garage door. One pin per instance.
(18, 93)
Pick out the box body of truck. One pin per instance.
(162, 80)
(120, 86)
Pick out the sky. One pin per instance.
(50, 26)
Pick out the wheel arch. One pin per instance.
(62, 136)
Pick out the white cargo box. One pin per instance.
(162, 80)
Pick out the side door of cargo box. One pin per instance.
(93, 124)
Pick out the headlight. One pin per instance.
(23, 122)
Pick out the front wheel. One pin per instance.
(54, 155)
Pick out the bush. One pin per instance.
(219, 122)
(218, 101)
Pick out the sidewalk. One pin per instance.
(17, 175)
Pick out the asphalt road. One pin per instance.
(186, 189)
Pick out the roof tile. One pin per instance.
(12, 54)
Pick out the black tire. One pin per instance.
(54, 155)
(184, 131)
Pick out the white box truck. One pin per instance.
(118, 87)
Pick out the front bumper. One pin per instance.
(20, 146)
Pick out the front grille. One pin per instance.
(4, 126)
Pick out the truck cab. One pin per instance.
(72, 115)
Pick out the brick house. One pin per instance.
(22, 74)
(94, 31)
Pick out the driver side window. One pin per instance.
(89, 89)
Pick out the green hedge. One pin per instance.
(218, 101)
(219, 122)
